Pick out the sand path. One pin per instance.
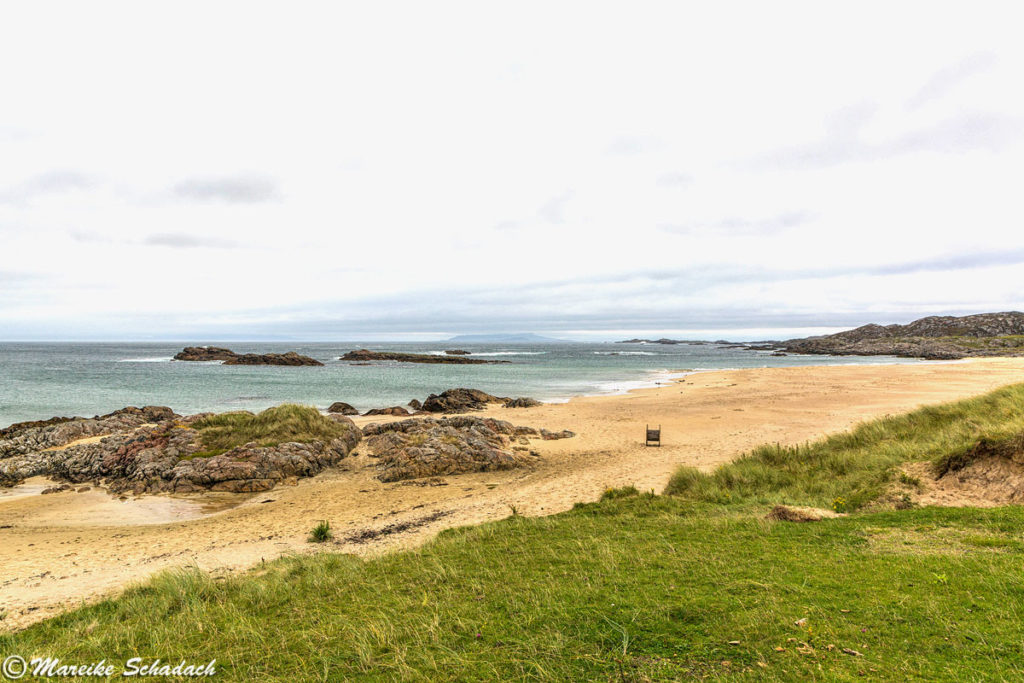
(60, 549)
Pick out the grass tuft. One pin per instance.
(621, 492)
(321, 532)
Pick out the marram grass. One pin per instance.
(280, 424)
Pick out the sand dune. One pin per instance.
(60, 549)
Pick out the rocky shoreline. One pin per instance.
(154, 450)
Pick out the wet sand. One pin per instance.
(61, 549)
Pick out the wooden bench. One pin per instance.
(653, 436)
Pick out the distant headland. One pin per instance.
(933, 338)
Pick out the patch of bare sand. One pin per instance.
(77, 442)
(798, 513)
(49, 561)
(988, 482)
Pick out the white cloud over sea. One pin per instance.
(343, 170)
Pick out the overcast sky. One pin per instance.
(346, 170)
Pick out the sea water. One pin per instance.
(41, 380)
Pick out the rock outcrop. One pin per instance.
(151, 450)
(430, 447)
(456, 352)
(365, 355)
(343, 408)
(229, 357)
(522, 402)
(460, 401)
(26, 437)
(935, 338)
(464, 400)
(393, 410)
(204, 353)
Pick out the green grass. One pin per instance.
(280, 424)
(321, 533)
(857, 465)
(635, 587)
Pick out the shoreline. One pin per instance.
(126, 379)
(707, 417)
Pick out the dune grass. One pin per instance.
(856, 465)
(280, 424)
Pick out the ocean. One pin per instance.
(41, 380)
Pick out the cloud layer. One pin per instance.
(554, 168)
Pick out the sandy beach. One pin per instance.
(61, 549)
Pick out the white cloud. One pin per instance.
(461, 166)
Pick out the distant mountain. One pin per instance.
(520, 338)
(936, 337)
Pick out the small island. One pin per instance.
(229, 357)
(364, 355)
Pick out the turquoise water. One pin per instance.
(40, 380)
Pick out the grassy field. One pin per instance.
(634, 587)
(280, 424)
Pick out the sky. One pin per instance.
(587, 170)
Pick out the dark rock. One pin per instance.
(415, 404)
(459, 401)
(522, 402)
(343, 408)
(204, 353)
(551, 436)
(291, 359)
(229, 357)
(393, 410)
(366, 355)
(456, 352)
